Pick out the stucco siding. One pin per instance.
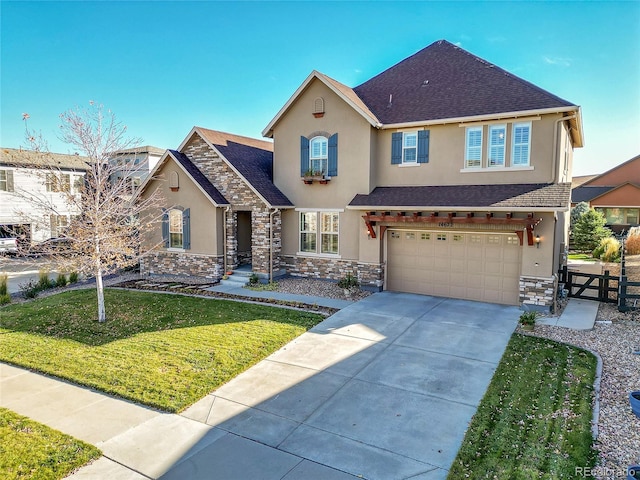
(446, 164)
(354, 145)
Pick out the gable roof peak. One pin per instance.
(217, 137)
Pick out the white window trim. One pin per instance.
(414, 162)
(497, 126)
(513, 145)
(318, 212)
(466, 146)
(175, 249)
(324, 159)
(496, 169)
(181, 228)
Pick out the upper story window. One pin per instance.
(318, 155)
(6, 180)
(410, 148)
(473, 149)
(497, 142)
(496, 155)
(521, 144)
(58, 182)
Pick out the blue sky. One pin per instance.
(164, 67)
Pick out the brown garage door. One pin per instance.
(470, 265)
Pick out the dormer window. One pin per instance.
(318, 155)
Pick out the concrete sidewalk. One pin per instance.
(579, 314)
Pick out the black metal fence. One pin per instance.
(603, 288)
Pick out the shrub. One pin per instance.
(30, 289)
(348, 282)
(528, 318)
(4, 280)
(43, 280)
(608, 250)
(61, 281)
(589, 230)
(5, 298)
(254, 279)
(73, 277)
(633, 241)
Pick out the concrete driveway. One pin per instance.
(384, 389)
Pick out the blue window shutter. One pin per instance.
(332, 171)
(186, 229)
(423, 146)
(165, 227)
(304, 155)
(396, 148)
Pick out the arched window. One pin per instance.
(175, 229)
(318, 155)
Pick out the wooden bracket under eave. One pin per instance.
(530, 235)
(520, 235)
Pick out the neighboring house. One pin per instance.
(615, 193)
(136, 163)
(34, 190)
(442, 175)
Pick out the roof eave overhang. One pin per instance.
(487, 117)
(456, 208)
(161, 162)
(268, 131)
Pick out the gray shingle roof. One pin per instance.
(253, 159)
(444, 81)
(31, 159)
(469, 196)
(199, 177)
(586, 194)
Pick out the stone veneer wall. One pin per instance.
(241, 197)
(182, 264)
(370, 275)
(538, 293)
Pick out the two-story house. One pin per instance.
(135, 164)
(34, 192)
(442, 175)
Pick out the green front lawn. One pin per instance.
(165, 351)
(587, 257)
(31, 450)
(534, 420)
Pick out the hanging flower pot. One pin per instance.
(634, 400)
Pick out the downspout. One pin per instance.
(271, 214)
(556, 153)
(224, 239)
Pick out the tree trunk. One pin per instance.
(102, 314)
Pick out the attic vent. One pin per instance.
(174, 181)
(318, 107)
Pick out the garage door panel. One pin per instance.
(475, 266)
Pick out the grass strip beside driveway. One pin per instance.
(535, 418)
(165, 351)
(31, 450)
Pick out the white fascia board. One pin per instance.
(268, 130)
(480, 118)
(440, 208)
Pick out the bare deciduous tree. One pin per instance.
(104, 237)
